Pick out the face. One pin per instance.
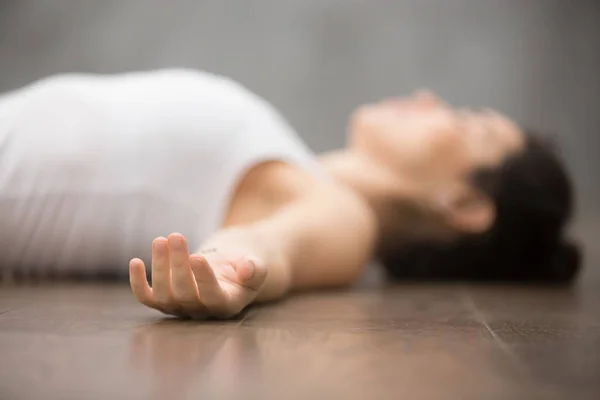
(423, 141)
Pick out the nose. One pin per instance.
(426, 98)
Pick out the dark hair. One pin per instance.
(534, 201)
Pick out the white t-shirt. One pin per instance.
(93, 168)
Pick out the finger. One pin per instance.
(209, 290)
(139, 283)
(185, 290)
(161, 273)
(251, 273)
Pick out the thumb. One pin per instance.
(251, 272)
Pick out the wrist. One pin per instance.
(271, 249)
(257, 242)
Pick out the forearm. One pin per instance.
(323, 240)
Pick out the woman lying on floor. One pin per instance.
(96, 168)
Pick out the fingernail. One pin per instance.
(251, 269)
(176, 243)
(159, 245)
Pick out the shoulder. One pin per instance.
(326, 199)
(272, 186)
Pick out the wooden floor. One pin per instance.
(82, 341)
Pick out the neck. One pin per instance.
(394, 199)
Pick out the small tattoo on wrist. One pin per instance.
(209, 250)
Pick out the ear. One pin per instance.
(467, 210)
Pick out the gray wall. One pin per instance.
(537, 60)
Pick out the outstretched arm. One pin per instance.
(322, 239)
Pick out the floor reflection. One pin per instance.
(179, 355)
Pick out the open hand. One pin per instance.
(210, 284)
